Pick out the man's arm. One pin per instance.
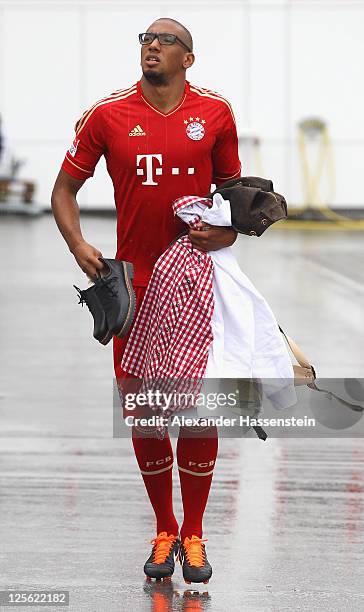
(226, 165)
(67, 215)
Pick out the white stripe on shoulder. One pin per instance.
(206, 93)
(112, 95)
(116, 98)
(120, 91)
(206, 90)
(211, 92)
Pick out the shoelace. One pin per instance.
(195, 552)
(162, 546)
(81, 299)
(107, 283)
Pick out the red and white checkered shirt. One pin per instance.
(172, 333)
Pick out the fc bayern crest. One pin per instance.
(195, 130)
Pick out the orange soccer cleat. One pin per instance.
(195, 566)
(161, 562)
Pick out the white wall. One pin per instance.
(276, 60)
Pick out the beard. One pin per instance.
(155, 78)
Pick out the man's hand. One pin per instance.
(67, 216)
(87, 258)
(212, 238)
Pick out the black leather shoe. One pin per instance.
(89, 297)
(116, 295)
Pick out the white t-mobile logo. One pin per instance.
(158, 170)
(149, 167)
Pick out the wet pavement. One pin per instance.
(285, 517)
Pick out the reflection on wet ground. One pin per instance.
(285, 517)
(284, 525)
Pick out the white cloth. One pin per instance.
(247, 342)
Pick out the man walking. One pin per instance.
(162, 138)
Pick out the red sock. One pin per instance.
(196, 460)
(155, 460)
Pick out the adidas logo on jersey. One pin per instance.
(137, 131)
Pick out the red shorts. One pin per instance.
(128, 382)
(120, 343)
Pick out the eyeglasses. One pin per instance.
(146, 38)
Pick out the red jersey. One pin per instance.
(152, 159)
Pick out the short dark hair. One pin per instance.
(189, 40)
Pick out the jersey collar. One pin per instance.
(173, 110)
